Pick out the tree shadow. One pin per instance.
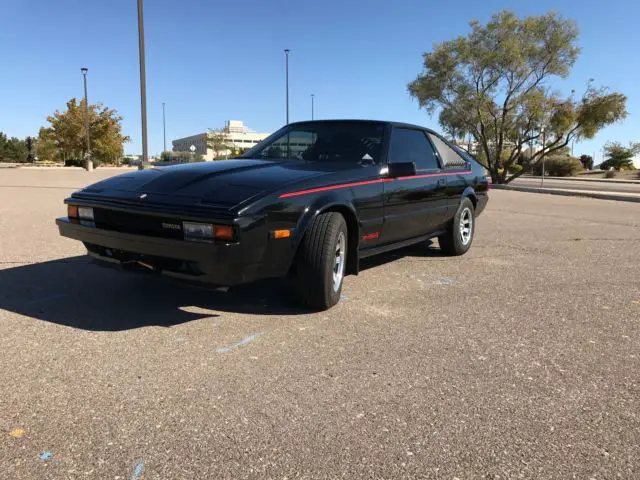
(76, 293)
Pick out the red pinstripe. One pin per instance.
(334, 187)
(368, 182)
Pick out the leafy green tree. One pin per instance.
(218, 141)
(495, 85)
(30, 146)
(620, 157)
(12, 149)
(46, 147)
(65, 137)
(587, 161)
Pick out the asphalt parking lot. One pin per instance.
(518, 360)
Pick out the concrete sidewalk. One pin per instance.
(618, 196)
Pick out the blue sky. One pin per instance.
(211, 61)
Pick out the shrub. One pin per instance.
(75, 162)
(617, 164)
(610, 174)
(515, 168)
(558, 166)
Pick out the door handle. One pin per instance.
(441, 182)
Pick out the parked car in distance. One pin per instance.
(310, 201)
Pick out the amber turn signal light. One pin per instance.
(223, 232)
(72, 211)
(281, 234)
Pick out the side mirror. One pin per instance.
(404, 169)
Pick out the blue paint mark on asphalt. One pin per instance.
(241, 343)
(137, 472)
(44, 456)
(445, 281)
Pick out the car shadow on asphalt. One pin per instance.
(424, 249)
(77, 293)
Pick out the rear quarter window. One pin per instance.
(450, 158)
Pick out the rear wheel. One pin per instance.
(459, 236)
(322, 261)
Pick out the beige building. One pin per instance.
(238, 134)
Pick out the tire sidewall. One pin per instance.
(333, 296)
(316, 261)
(459, 246)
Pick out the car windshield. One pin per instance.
(357, 142)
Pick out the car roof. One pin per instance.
(350, 120)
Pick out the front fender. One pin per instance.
(330, 201)
(326, 202)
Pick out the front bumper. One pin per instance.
(217, 263)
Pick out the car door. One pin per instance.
(413, 205)
(455, 167)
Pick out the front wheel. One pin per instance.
(322, 261)
(459, 236)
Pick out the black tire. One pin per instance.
(452, 242)
(317, 259)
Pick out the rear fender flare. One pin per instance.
(471, 193)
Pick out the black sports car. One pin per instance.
(311, 201)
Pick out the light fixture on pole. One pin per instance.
(286, 68)
(542, 132)
(88, 163)
(164, 129)
(312, 97)
(143, 86)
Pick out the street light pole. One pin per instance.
(312, 97)
(88, 164)
(143, 86)
(164, 129)
(286, 66)
(544, 138)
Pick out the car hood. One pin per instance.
(225, 184)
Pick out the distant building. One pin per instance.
(240, 136)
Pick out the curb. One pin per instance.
(594, 180)
(571, 193)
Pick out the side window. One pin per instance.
(450, 158)
(409, 145)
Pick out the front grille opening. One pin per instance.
(134, 223)
(146, 262)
